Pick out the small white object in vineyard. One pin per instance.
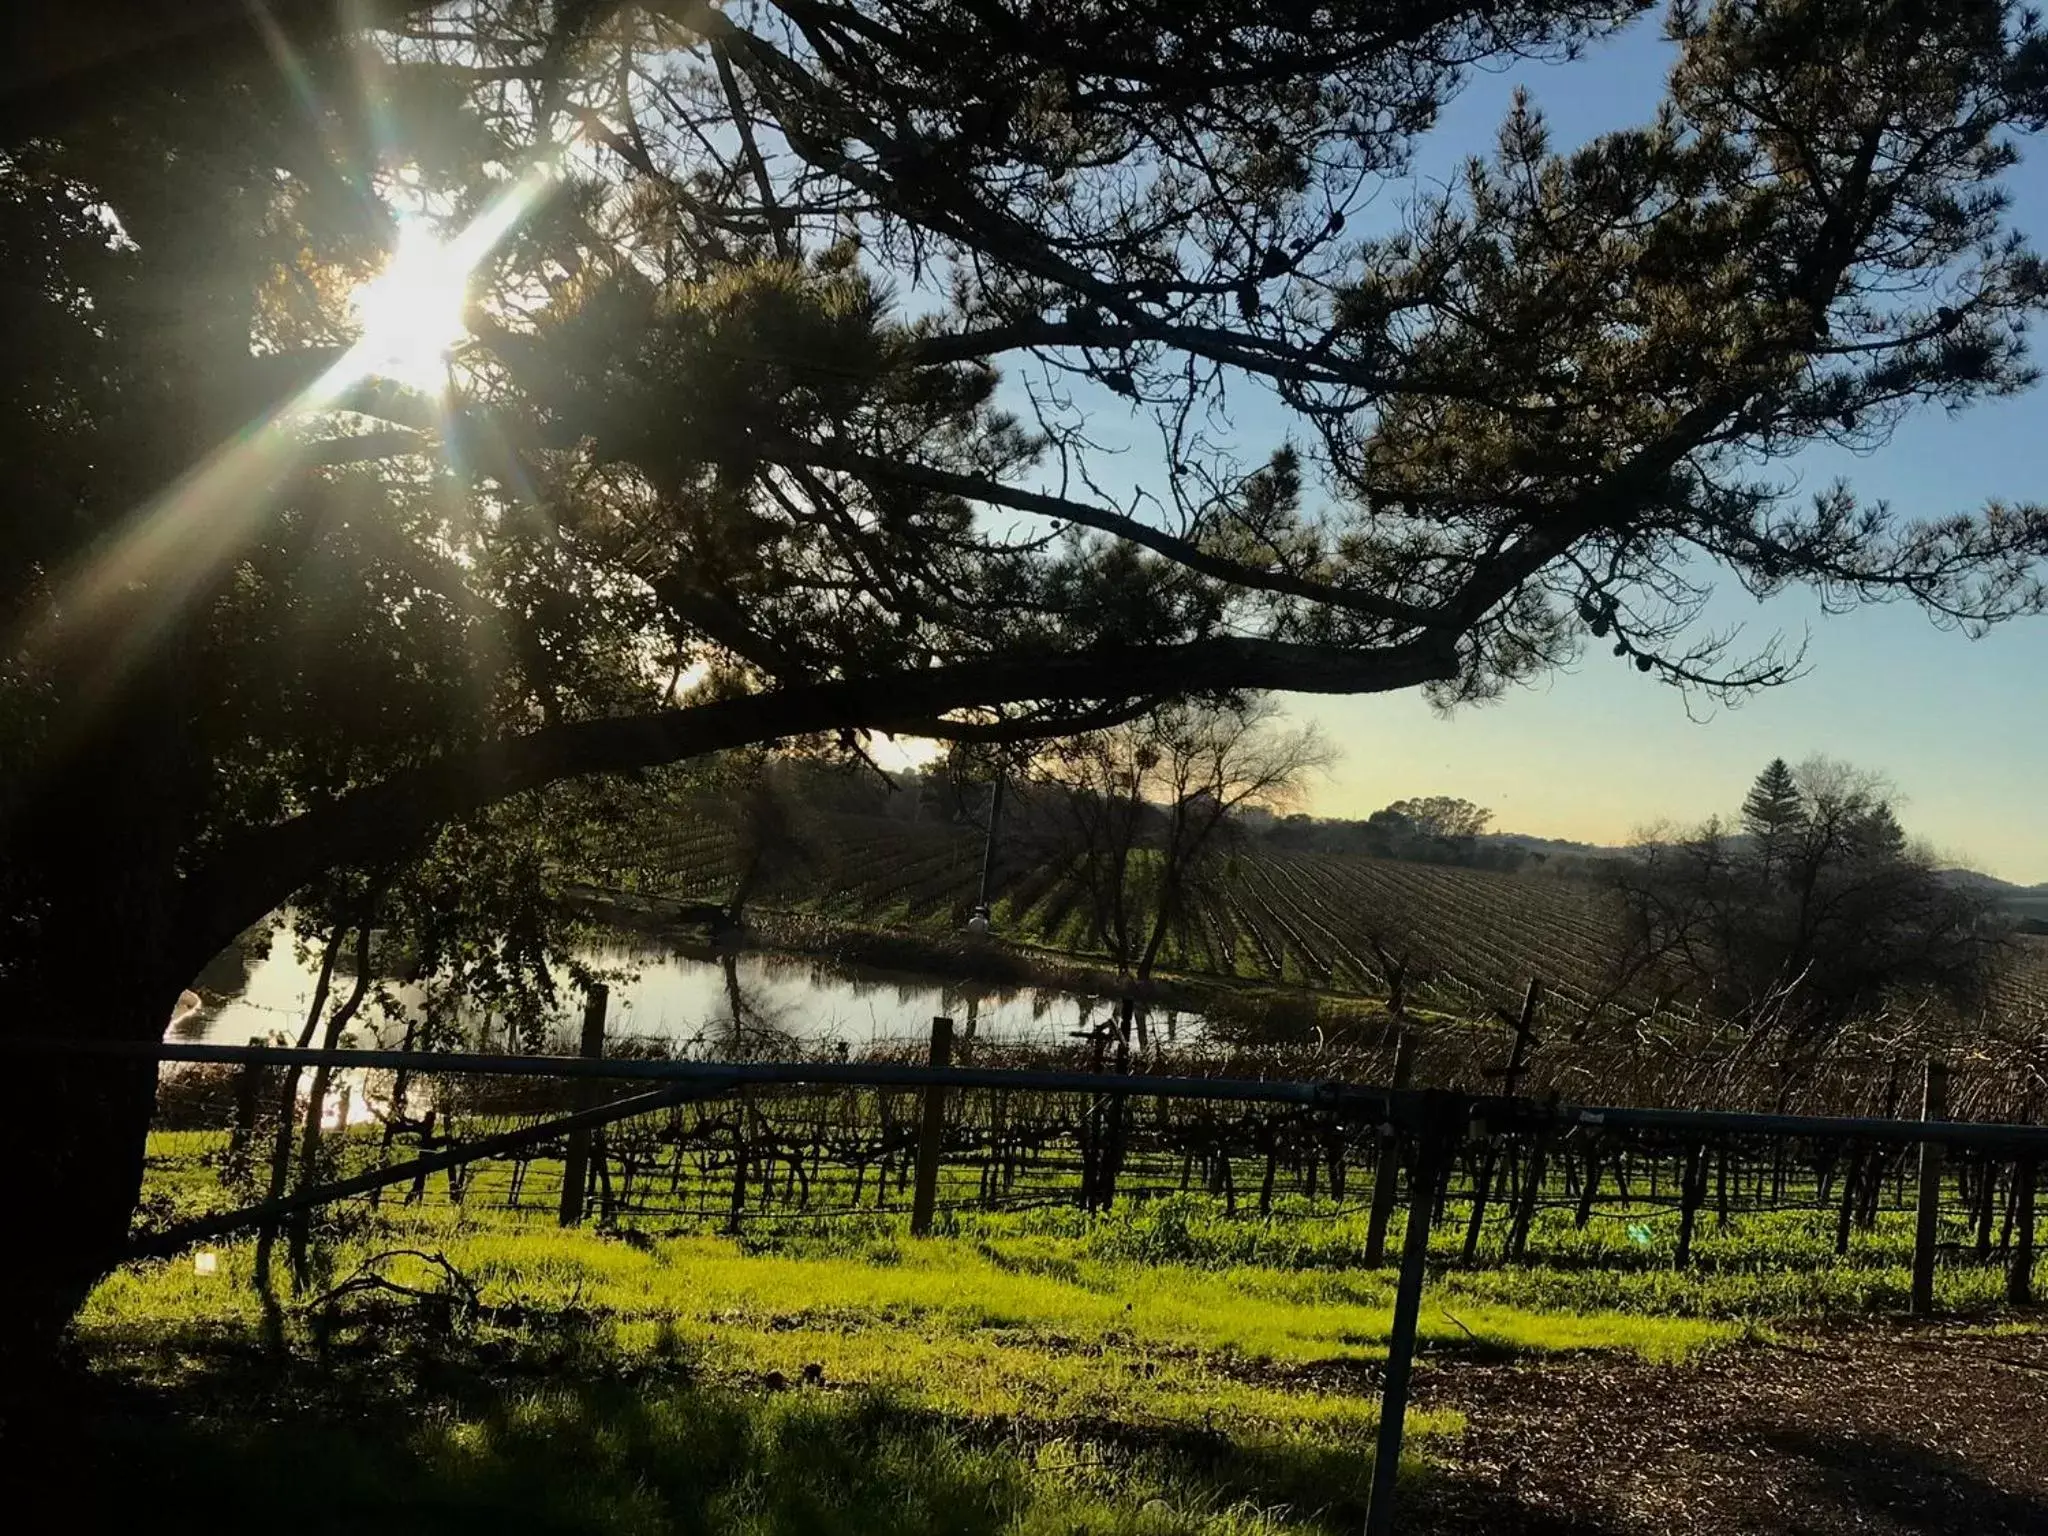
(205, 1262)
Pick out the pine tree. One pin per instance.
(1878, 834)
(1773, 812)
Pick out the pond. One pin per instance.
(748, 1002)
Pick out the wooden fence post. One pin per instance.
(1432, 1146)
(1482, 1186)
(1589, 1187)
(1986, 1208)
(1847, 1211)
(576, 1160)
(244, 1133)
(742, 1124)
(1692, 1194)
(1109, 1160)
(2019, 1280)
(1489, 1158)
(931, 1134)
(1524, 1025)
(1386, 1169)
(1090, 1129)
(1532, 1192)
(428, 1144)
(1927, 1217)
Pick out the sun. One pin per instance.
(411, 312)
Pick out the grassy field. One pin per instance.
(1161, 1369)
(1003, 1380)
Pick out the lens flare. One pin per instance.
(170, 548)
(411, 312)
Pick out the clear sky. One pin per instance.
(1960, 727)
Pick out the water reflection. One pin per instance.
(713, 1004)
(352, 1099)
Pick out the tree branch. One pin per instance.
(1029, 728)
(254, 874)
(1182, 551)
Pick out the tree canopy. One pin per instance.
(1773, 812)
(787, 355)
(1442, 816)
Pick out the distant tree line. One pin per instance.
(1810, 909)
(1431, 829)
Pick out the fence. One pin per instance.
(741, 1143)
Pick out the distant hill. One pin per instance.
(2023, 901)
(2028, 903)
(1552, 845)
(1278, 917)
(1976, 879)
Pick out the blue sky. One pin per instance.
(1960, 727)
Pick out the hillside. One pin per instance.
(2028, 903)
(1472, 938)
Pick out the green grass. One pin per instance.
(1022, 1374)
(1167, 1368)
(415, 1437)
(614, 1388)
(1016, 1332)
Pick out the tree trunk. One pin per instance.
(97, 934)
(281, 1140)
(74, 1150)
(91, 948)
(74, 1135)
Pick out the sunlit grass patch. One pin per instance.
(951, 1391)
(1172, 1366)
(1035, 1325)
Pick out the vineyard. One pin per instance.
(1469, 940)
(1137, 1285)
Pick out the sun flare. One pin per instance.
(411, 312)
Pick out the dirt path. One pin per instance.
(1892, 1430)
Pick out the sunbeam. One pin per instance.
(411, 312)
(411, 317)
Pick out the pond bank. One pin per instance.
(1240, 1007)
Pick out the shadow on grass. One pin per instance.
(226, 1455)
(229, 1451)
(401, 1429)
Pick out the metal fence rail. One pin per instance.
(1402, 1107)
